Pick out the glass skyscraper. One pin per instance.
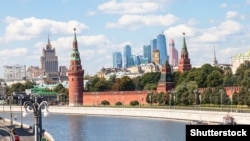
(117, 60)
(147, 53)
(161, 46)
(127, 56)
(173, 54)
(153, 44)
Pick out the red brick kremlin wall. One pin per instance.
(95, 98)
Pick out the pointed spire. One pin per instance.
(75, 55)
(184, 46)
(75, 40)
(215, 62)
(48, 46)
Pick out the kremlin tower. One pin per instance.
(166, 81)
(184, 61)
(75, 76)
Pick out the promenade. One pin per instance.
(172, 114)
(25, 132)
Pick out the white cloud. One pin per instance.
(90, 13)
(231, 14)
(248, 1)
(9, 53)
(220, 33)
(29, 28)
(137, 21)
(128, 7)
(177, 31)
(223, 5)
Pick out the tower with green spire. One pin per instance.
(75, 76)
(184, 61)
(166, 81)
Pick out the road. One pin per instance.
(25, 134)
(6, 134)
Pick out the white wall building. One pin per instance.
(16, 72)
(239, 59)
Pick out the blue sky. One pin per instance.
(105, 26)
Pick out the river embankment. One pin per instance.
(172, 114)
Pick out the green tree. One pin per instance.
(127, 84)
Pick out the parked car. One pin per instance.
(17, 138)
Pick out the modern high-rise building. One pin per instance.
(153, 44)
(161, 46)
(16, 72)
(156, 56)
(48, 60)
(117, 59)
(127, 56)
(173, 54)
(136, 60)
(147, 53)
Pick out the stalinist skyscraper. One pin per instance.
(49, 61)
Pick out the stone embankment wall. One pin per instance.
(173, 114)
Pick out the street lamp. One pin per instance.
(197, 92)
(195, 98)
(231, 99)
(10, 98)
(3, 96)
(37, 111)
(169, 99)
(221, 101)
(20, 97)
(173, 92)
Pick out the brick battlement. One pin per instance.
(95, 98)
(125, 97)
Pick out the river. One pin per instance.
(77, 127)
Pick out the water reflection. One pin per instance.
(98, 128)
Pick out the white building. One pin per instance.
(16, 72)
(239, 59)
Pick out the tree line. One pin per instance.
(213, 78)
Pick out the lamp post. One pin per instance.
(10, 97)
(173, 92)
(20, 97)
(3, 85)
(200, 99)
(37, 111)
(169, 99)
(196, 92)
(221, 101)
(195, 98)
(231, 99)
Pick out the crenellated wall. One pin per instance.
(125, 97)
(95, 98)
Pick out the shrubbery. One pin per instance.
(134, 103)
(118, 103)
(105, 102)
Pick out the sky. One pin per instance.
(106, 26)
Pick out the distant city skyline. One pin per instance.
(105, 26)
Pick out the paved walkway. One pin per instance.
(25, 134)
